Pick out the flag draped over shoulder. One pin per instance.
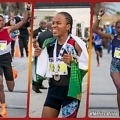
(42, 69)
(78, 70)
(40, 63)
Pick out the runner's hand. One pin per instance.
(28, 5)
(102, 11)
(37, 49)
(67, 58)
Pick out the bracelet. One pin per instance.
(28, 9)
(99, 17)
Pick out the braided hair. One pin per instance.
(68, 19)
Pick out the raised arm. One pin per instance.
(21, 23)
(96, 26)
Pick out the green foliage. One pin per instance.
(87, 32)
(1, 11)
(118, 13)
(78, 25)
(48, 18)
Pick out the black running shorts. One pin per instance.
(5, 66)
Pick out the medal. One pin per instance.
(57, 76)
(55, 61)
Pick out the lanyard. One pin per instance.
(60, 54)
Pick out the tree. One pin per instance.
(118, 13)
(1, 10)
(48, 18)
(79, 25)
(87, 32)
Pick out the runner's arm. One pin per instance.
(21, 23)
(96, 26)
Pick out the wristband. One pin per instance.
(99, 17)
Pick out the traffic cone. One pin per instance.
(17, 51)
(15, 73)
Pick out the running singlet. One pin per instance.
(64, 79)
(5, 42)
(116, 48)
(97, 41)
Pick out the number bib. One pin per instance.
(3, 45)
(98, 42)
(117, 53)
(61, 67)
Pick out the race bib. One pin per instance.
(61, 67)
(117, 53)
(51, 67)
(3, 45)
(98, 42)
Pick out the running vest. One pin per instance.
(97, 41)
(116, 48)
(64, 79)
(5, 42)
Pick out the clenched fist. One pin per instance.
(37, 49)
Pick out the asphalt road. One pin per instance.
(17, 100)
(102, 102)
(37, 101)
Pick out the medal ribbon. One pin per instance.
(60, 54)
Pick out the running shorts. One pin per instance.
(115, 65)
(57, 98)
(5, 66)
